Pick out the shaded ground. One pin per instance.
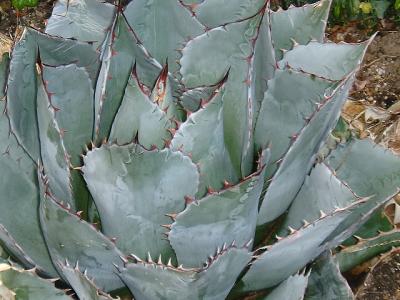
(34, 17)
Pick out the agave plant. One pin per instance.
(182, 150)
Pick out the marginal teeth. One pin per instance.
(160, 260)
(149, 259)
(169, 264)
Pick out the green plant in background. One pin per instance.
(212, 176)
(21, 4)
(346, 10)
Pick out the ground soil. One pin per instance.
(373, 110)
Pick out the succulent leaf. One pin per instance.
(328, 60)
(350, 163)
(19, 284)
(84, 287)
(283, 110)
(172, 22)
(292, 171)
(81, 243)
(264, 64)
(192, 99)
(4, 64)
(134, 189)
(70, 87)
(366, 249)
(223, 217)
(83, 20)
(306, 23)
(326, 281)
(282, 259)
(202, 138)
(230, 48)
(214, 13)
(21, 91)
(292, 288)
(321, 192)
(20, 235)
(122, 50)
(139, 118)
(52, 151)
(213, 282)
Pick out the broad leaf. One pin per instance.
(134, 189)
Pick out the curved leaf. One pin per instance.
(20, 284)
(84, 288)
(52, 151)
(328, 60)
(326, 281)
(134, 189)
(223, 217)
(299, 24)
(301, 155)
(21, 91)
(214, 13)
(290, 98)
(282, 259)
(367, 249)
(292, 288)
(202, 138)
(230, 48)
(172, 23)
(121, 51)
(19, 192)
(213, 282)
(83, 20)
(321, 192)
(79, 243)
(138, 118)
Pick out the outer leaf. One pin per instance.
(4, 64)
(52, 151)
(121, 51)
(326, 281)
(264, 64)
(149, 281)
(214, 13)
(21, 92)
(81, 243)
(229, 48)
(70, 88)
(291, 97)
(223, 217)
(312, 240)
(26, 285)
(140, 119)
(202, 137)
(301, 155)
(321, 192)
(84, 288)
(134, 189)
(282, 259)
(84, 20)
(171, 21)
(21, 236)
(305, 24)
(292, 288)
(366, 249)
(352, 164)
(329, 60)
